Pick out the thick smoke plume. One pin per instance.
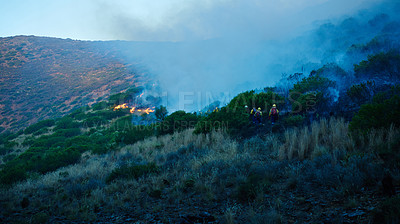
(206, 52)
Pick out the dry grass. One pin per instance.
(322, 137)
(194, 170)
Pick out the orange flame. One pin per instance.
(147, 110)
(122, 106)
(133, 109)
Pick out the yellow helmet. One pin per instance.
(274, 105)
(259, 108)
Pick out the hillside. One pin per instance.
(110, 163)
(45, 77)
(331, 155)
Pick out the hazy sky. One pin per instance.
(168, 20)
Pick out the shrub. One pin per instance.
(68, 132)
(12, 174)
(311, 94)
(94, 121)
(178, 121)
(135, 133)
(385, 65)
(66, 123)
(377, 115)
(100, 106)
(251, 99)
(4, 151)
(36, 127)
(161, 112)
(232, 121)
(41, 131)
(132, 172)
(294, 120)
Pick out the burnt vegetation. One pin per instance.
(333, 155)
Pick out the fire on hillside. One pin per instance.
(134, 109)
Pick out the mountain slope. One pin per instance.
(45, 77)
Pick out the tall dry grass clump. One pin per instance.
(321, 137)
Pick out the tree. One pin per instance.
(161, 112)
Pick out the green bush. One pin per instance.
(49, 141)
(41, 124)
(178, 121)
(251, 99)
(231, 121)
(310, 94)
(4, 151)
(377, 115)
(67, 132)
(385, 65)
(132, 172)
(294, 120)
(135, 133)
(12, 174)
(41, 131)
(66, 123)
(100, 106)
(94, 121)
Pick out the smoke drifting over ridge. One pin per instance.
(202, 52)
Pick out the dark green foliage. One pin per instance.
(235, 117)
(331, 70)
(377, 115)
(79, 114)
(251, 99)
(56, 158)
(178, 121)
(132, 171)
(161, 112)
(388, 211)
(11, 174)
(311, 94)
(68, 132)
(361, 93)
(41, 131)
(36, 127)
(232, 121)
(384, 65)
(294, 120)
(100, 106)
(10, 144)
(66, 123)
(37, 159)
(135, 133)
(4, 151)
(94, 121)
(49, 141)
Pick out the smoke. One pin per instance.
(206, 51)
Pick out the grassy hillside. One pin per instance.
(331, 157)
(44, 78)
(99, 164)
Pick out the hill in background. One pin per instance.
(45, 77)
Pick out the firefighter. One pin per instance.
(273, 114)
(258, 115)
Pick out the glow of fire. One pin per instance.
(133, 109)
(122, 106)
